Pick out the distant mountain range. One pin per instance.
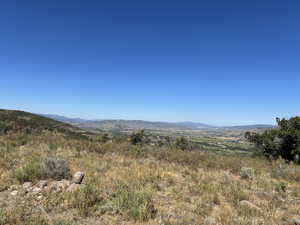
(97, 125)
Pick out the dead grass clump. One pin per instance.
(135, 204)
(288, 171)
(85, 199)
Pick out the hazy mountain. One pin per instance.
(250, 127)
(64, 118)
(96, 125)
(195, 125)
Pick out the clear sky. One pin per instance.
(218, 62)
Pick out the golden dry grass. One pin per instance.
(148, 185)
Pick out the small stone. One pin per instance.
(27, 185)
(42, 184)
(36, 190)
(73, 187)
(58, 186)
(39, 197)
(14, 193)
(14, 187)
(78, 177)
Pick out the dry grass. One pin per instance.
(127, 184)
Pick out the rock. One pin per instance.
(27, 185)
(249, 206)
(14, 187)
(73, 187)
(295, 221)
(42, 184)
(247, 173)
(36, 190)
(14, 193)
(78, 177)
(39, 197)
(210, 221)
(58, 186)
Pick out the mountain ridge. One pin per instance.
(109, 124)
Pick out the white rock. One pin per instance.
(78, 177)
(27, 185)
(42, 184)
(14, 193)
(36, 190)
(58, 186)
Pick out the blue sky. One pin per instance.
(218, 62)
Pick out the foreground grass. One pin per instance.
(127, 184)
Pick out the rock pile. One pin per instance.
(48, 186)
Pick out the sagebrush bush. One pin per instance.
(45, 168)
(28, 172)
(55, 168)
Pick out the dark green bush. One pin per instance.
(137, 137)
(283, 141)
(182, 143)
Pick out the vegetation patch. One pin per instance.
(135, 204)
(43, 168)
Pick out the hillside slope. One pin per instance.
(12, 121)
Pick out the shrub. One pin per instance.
(182, 143)
(280, 187)
(137, 137)
(136, 204)
(55, 168)
(247, 173)
(104, 138)
(49, 167)
(29, 172)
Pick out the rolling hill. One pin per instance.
(12, 121)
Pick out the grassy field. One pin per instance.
(128, 184)
(140, 184)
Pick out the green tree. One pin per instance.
(182, 143)
(104, 138)
(137, 137)
(283, 141)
